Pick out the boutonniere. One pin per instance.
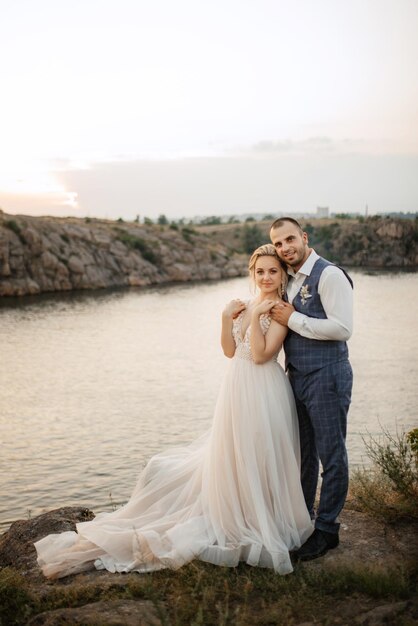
(304, 294)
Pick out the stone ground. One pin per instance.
(363, 540)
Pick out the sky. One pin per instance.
(188, 107)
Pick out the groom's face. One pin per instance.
(291, 244)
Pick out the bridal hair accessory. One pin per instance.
(304, 294)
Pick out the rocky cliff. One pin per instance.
(375, 242)
(41, 254)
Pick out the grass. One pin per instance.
(17, 602)
(200, 593)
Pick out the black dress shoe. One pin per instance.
(317, 545)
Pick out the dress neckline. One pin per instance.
(240, 317)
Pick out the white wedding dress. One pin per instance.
(232, 495)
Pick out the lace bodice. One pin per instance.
(243, 347)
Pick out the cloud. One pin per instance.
(59, 204)
(292, 181)
(270, 176)
(318, 145)
(295, 147)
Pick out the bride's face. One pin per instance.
(268, 275)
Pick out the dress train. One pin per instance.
(232, 495)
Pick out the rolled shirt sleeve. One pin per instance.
(337, 300)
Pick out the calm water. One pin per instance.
(91, 386)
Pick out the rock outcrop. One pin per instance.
(17, 544)
(109, 613)
(41, 254)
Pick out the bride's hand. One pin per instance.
(264, 307)
(234, 308)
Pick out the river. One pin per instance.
(92, 384)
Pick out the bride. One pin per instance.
(232, 495)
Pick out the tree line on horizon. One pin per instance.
(218, 220)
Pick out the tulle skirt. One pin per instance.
(232, 495)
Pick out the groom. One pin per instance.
(319, 316)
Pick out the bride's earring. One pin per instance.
(282, 290)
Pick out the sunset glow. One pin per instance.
(93, 92)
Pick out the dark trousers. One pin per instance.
(322, 401)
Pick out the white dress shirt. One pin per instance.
(337, 300)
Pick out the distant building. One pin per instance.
(322, 211)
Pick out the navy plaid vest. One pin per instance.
(308, 355)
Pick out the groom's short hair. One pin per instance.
(281, 221)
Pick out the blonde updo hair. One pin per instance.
(267, 250)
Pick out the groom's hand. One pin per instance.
(281, 312)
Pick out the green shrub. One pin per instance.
(187, 233)
(412, 439)
(15, 227)
(212, 220)
(136, 243)
(354, 244)
(252, 238)
(389, 489)
(309, 228)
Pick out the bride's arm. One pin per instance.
(263, 347)
(227, 340)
